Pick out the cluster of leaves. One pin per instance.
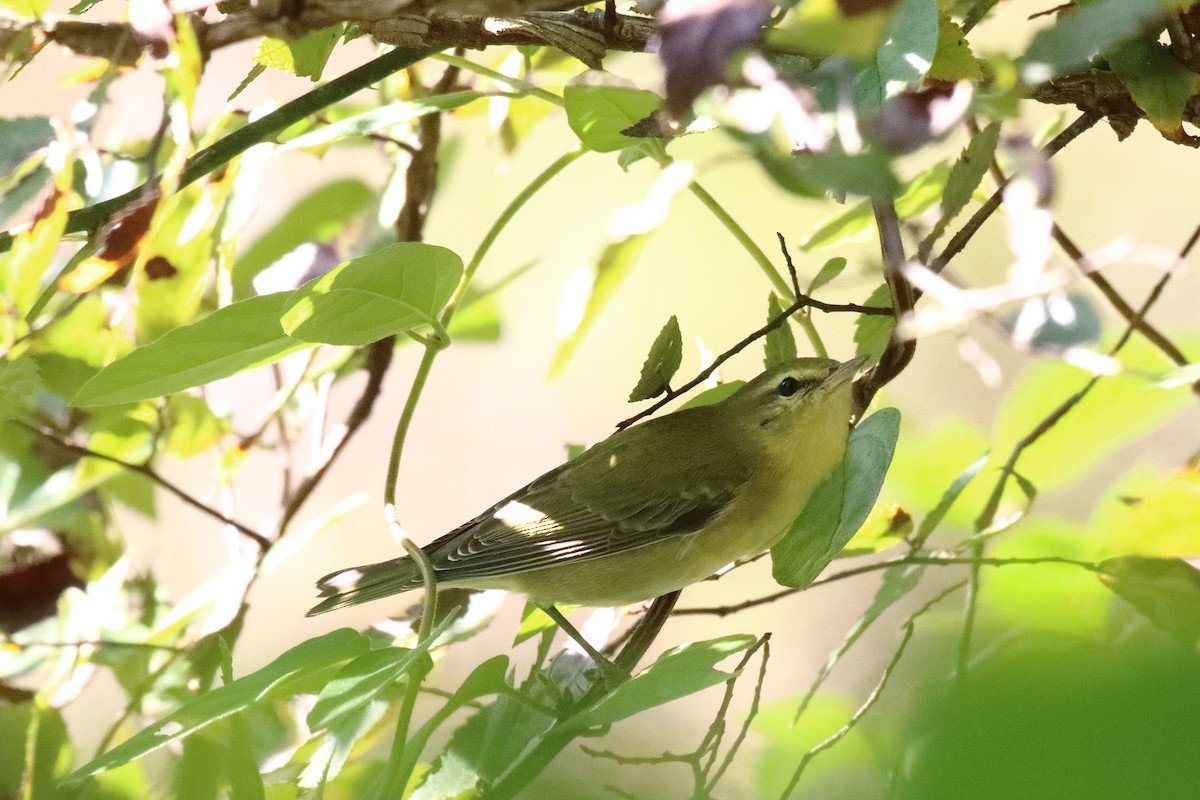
(104, 344)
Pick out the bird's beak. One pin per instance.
(846, 371)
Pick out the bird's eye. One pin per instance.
(788, 386)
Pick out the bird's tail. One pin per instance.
(349, 587)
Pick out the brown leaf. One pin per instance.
(117, 244)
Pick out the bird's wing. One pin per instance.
(623, 494)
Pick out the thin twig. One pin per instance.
(873, 697)
(142, 469)
(932, 560)
(1135, 319)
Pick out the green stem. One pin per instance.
(432, 349)
(404, 757)
(656, 152)
(222, 152)
(516, 83)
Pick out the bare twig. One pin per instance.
(872, 698)
(932, 560)
(142, 469)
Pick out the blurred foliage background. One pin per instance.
(187, 171)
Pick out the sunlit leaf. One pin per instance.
(357, 683)
(366, 299)
(598, 114)
(304, 56)
(953, 60)
(1154, 518)
(1049, 597)
(1117, 411)
(240, 336)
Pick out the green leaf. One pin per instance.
(1077, 38)
(965, 177)
(304, 56)
(840, 505)
(534, 620)
(317, 217)
(240, 336)
(366, 299)
(872, 331)
(829, 270)
(296, 670)
(813, 174)
(26, 8)
(1165, 590)
(380, 118)
(677, 673)
(613, 265)
(938, 512)
(909, 50)
(662, 362)
(780, 343)
(953, 60)
(19, 138)
(22, 267)
(18, 382)
(1158, 82)
(598, 114)
(358, 683)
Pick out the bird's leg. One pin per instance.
(610, 673)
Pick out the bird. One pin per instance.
(651, 509)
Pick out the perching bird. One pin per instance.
(649, 510)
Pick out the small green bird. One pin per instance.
(650, 509)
